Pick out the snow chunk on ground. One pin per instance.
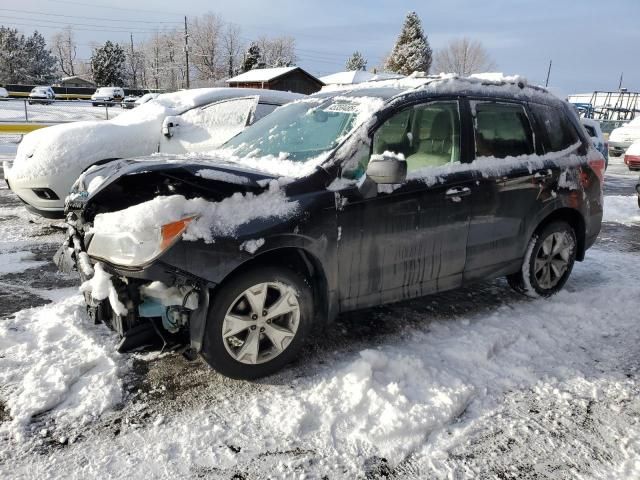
(16, 262)
(211, 219)
(54, 360)
(621, 209)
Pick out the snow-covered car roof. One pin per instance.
(494, 84)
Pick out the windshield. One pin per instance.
(39, 89)
(298, 131)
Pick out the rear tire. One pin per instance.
(258, 322)
(548, 261)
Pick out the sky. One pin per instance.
(591, 42)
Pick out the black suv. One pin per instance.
(338, 202)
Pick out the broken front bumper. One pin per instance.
(163, 309)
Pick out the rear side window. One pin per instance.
(558, 132)
(502, 130)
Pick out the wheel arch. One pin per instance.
(299, 260)
(574, 218)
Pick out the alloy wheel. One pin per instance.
(553, 259)
(261, 322)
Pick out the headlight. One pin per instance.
(134, 249)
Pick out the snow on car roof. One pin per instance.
(261, 74)
(357, 76)
(482, 83)
(186, 99)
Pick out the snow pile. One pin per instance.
(53, 361)
(101, 287)
(15, 262)
(212, 219)
(621, 209)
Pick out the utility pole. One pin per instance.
(133, 64)
(186, 48)
(620, 84)
(548, 73)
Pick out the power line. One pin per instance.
(57, 27)
(31, 12)
(111, 7)
(60, 24)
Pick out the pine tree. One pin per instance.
(13, 62)
(411, 52)
(40, 68)
(252, 57)
(356, 62)
(107, 65)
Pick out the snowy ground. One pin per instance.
(475, 383)
(66, 111)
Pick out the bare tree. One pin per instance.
(65, 50)
(135, 64)
(277, 51)
(464, 57)
(206, 46)
(233, 48)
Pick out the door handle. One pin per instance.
(457, 192)
(543, 175)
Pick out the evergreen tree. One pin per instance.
(40, 68)
(252, 57)
(356, 62)
(411, 52)
(107, 65)
(13, 62)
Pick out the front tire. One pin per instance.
(258, 322)
(548, 261)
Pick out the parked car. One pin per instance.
(129, 101)
(597, 137)
(632, 156)
(621, 138)
(49, 160)
(41, 95)
(342, 201)
(4, 94)
(107, 96)
(145, 98)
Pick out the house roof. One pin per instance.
(264, 74)
(75, 77)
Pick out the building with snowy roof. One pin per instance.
(288, 79)
(76, 81)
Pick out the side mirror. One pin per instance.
(387, 169)
(169, 124)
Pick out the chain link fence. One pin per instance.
(55, 111)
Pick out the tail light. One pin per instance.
(598, 166)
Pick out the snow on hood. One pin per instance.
(212, 219)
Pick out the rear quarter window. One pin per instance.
(558, 133)
(502, 130)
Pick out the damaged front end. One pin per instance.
(148, 315)
(145, 299)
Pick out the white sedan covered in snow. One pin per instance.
(49, 160)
